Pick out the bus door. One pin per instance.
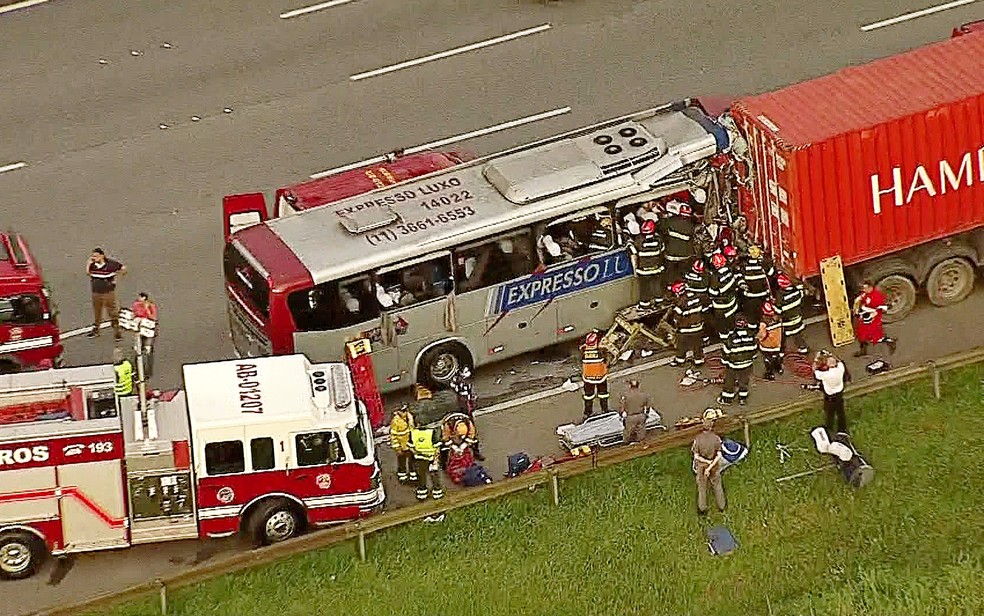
(497, 302)
(589, 278)
(416, 309)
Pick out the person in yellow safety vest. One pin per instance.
(426, 446)
(400, 426)
(594, 373)
(124, 374)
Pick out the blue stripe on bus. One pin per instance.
(566, 279)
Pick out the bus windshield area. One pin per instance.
(248, 284)
(21, 310)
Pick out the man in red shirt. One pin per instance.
(145, 308)
(102, 273)
(869, 307)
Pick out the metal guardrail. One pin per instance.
(549, 476)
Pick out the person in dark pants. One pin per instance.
(688, 314)
(634, 404)
(102, 273)
(594, 373)
(830, 372)
(738, 355)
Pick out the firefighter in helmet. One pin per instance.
(724, 299)
(677, 230)
(755, 285)
(698, 282)
(425, 443)
(769, 338)
(647, 248)
(594, 373)
(400, 427)
(789, 304)
(689, 319)
(738, 355)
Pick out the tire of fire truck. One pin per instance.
(273, 521)
(438, 365)
(950, 281)
(9, 365)
(21, 554)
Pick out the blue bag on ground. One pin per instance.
(517, 464)
(476, 475)
(733, 452)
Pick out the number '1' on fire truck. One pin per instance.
(265, 447)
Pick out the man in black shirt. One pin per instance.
(102, 274)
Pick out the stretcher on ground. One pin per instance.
(603, 430)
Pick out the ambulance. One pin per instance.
(263, 447)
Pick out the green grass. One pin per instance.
(626, 540)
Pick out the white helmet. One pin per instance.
(673, 206)
(553, 248)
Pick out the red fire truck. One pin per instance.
(29, 336)
(263, 447)
(349, 181)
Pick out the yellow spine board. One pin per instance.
(838, 305)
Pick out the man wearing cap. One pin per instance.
(707, 462)
(688, 314)
(738, 355)
(634, 404)
(677, 230)
(648, 252)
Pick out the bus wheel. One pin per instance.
(273, 521)
(21, 554)
(439, 365)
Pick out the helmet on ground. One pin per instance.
(730, 251)
(591, 339)
(718, 260)
(784, 281)
(741, 321)
(685, 210)
(712, 414)
(648, 227)
(754, 252)
(699, 195)
(698, 266)
(768, 309)
(423, 393)
(677, 288)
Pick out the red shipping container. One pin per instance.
(869, 160)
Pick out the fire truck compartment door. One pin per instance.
(241, 211)
(93, 506)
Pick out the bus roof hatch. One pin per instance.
(562, 166)
(366, 220)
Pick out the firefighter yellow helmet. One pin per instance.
(754, 252)
(461, 428)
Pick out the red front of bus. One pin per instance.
(260, 274)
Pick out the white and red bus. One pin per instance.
(263, 447)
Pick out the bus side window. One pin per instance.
(415, 283)
(333, 305)
(574, 237)
(493, 261)
(629, 219)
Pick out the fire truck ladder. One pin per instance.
(364, 377)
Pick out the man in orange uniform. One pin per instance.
(594, 373)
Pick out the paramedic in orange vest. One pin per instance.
(594, 373)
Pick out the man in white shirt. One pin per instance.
(830, 372)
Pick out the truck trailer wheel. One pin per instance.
(273, 521)
(440, 364)
(900, 292)
(21, 554)
(950, 281)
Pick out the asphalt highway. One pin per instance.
(89, 85)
